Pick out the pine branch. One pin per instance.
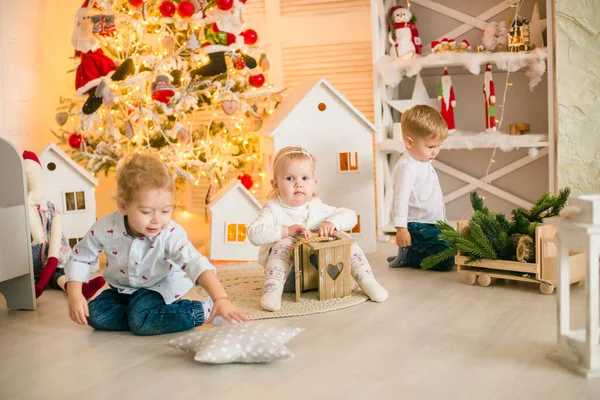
(481, 243)
(477, 202)
(434, 260)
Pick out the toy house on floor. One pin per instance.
(318, 118)
(231, 211)
(71, 189)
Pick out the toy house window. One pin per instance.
(349, 161)
(75, 201)
(236, 233)
(74, 241)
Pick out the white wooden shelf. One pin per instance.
(473, 140)
(472, 61)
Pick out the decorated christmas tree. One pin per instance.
(491, 236)
(183, 79)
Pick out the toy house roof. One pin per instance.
(289, 104)
(233, 184)
(54, 148)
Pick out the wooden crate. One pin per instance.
(325, 266)
(542, 272)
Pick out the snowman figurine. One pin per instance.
(404, 36)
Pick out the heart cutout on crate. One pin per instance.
(230, 106)
(314, 261)
(334, 271)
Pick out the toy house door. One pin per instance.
(16, 269)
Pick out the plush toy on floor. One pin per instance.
(49, 247)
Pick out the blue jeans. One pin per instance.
(143, 312)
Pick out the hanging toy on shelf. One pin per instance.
(489, 99)
(403, 36)
(447, 101)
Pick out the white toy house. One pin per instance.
(71, 189)
(318, 118)
(232, 209)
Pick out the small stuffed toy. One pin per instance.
(49, 247)
(403, 36)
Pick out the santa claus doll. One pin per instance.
(489, 100)
(94, 67)
(447, 100)
(403, 36)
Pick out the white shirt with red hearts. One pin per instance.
(167, 263)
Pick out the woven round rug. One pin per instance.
(244, 285)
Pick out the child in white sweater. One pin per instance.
(418, 200)
(295, 212)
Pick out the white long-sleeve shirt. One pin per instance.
(266, 229)
(417, 193)
(159, 263)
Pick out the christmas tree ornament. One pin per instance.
(167, 9)
(129, 130)
(75, 140)
(136, 3)
(239, 63)
(224, 4)
(256, 80)
(250, 36)
(447, 100)
(489, 99)
(252, 124)
(61, 118)
(192, 43)
(230, 106)
(403, 36)
(263, 62)
(185, 9)
(246, 180)
(162, 90)
(168, 45)
(183, 136)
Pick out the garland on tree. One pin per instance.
(489, 234)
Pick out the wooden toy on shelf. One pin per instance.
(542, 271)
(325, 264)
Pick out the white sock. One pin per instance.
(373, 289)
(207, 305)
(271, 299)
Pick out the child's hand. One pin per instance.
(326, 229)
(224, 308)
(297, 229)
(78, 308)
(402, 237)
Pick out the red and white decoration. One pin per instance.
(447, 100)
(489, 98)
(403, 36)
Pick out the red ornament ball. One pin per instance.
(185, 9)
(224, 4)
(75, 140)
(256, 80)
(239, 63)
(250, 36)
(167, 9)
(246, 180)
(136, 3)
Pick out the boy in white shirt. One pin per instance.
(418, 200)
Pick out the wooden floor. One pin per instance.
(434, 338)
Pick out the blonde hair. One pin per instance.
(141, 171)
(424, 122)
(290, 154)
